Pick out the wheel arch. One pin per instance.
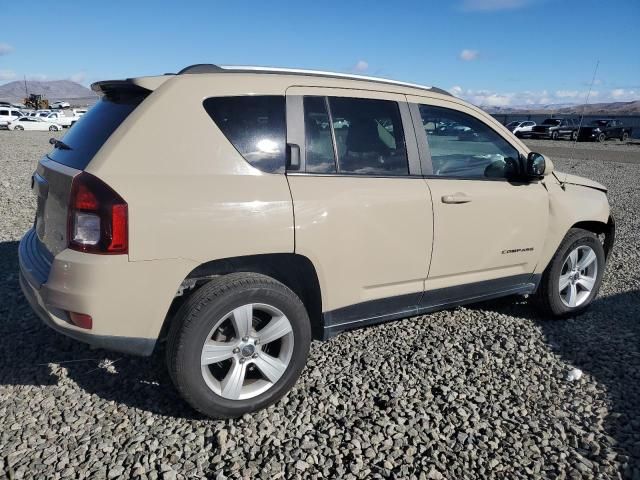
(600, 228)
(295, 271)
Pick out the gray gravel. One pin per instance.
(478, 392)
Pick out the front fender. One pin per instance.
(570, 205)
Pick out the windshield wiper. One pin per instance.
(59, 144)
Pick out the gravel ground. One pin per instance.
(478, 392)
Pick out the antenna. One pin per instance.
(26, 90)
(584, 108)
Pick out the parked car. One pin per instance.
(390, 222)
(555, 128)
(64, 118)
(8, 115)
(33, 123)
(60, 104)
(521, 128)
(605, 129)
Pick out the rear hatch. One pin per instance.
(54, 176)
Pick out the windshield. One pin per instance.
(551, 121)
(513, 124)
(94, 128)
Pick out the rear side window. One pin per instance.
(369, 136)
(91, 132)
(255, 125)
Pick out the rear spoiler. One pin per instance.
(140, 85)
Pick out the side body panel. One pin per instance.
(369, 237)
(190, 193)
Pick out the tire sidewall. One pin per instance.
(188, 358)
(555, 302)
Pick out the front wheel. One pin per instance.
(572, 279)
(625, 137)
(602, 137)
(554, 135)
(238, 344)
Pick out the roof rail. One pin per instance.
(211, 68)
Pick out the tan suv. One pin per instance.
(286, 206)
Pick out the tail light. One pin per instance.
(81, 320)
(98, 217)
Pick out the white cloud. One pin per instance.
(6, 75)
(5, 49)
(78, 77)
(489, 98)
(361, 66)
(468, 55)
(492, 5)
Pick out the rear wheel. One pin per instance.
(238, 344)
(53, 128)
(602, 137)
(554, 135)
(574, 135)
(572, 279)
(625, 136)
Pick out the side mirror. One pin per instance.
(538, 166)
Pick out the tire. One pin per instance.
(216, 311)
(625, 136)
(574, 135)
(556, 301)
(602, 137)
(53, 128)
(554, 135)
(18, 127)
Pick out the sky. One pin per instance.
(490, 52)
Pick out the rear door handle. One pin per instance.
(456, 198)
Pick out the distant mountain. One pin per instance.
(53, 90)
(612, 108)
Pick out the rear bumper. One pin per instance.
(128, 301)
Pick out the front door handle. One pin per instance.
(456, 198)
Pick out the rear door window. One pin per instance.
(255, 125)
(369, 136)
(87, 136)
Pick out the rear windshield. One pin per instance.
(94, 128)
(551, 121)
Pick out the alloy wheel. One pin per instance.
(578, 276)
(247, 351)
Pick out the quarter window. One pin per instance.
(462, 146)
(256, 127)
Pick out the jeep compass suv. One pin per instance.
(288, 206)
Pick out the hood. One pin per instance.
(581, 181)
